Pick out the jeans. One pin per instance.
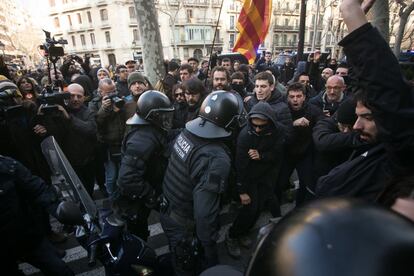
(111, 177)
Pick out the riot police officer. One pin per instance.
(195, 179)
(21, 234)
(143, 161)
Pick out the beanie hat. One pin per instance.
(346, 112)
(6, 84)
(102, 69)
(135, 77)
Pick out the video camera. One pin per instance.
(116, 100)
(50, 48)
(50, 100)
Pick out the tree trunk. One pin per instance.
(404, 14)
(152, 52)
(380, 17)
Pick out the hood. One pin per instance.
(276, 97)
(264, 109)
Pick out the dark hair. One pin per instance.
(343, 65)
(172, 66)
(193, 59)
(264, 76)
(225, 60)
(177, 86)
(300, 75)
(119, 67)
(296, 86)
(19, 82)
(221, 69)
(194, 86)
(238, 76)
(361, 96)
(187, 67)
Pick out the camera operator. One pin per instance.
(110, 121)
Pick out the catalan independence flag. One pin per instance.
(253, 24)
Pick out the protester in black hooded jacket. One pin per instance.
(259, 146)
(385, 104)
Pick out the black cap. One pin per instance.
(346, 112)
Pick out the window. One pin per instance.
(73, 41)
(69, 20)
(284, 39)
(276, 39)
(318, 37)
(93, 41)
(185, 52)
(56, 22)
(295, 39)
(132, 14)
(328, 39)
(286, 21)
(311, 37)
(104, 15)
(231, 41)
(189, 14)
(135, 34)
(79, 18)
(231, 22)
(108, 37)
(199, 33)
(83, 42)
(89, 16)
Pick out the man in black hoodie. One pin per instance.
(259, 146)
(299, 152)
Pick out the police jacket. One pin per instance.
(194, 181)
(143, 162)
(81, 136)
(19, 192)
(110, 124)
(269, 144)
(280, 108)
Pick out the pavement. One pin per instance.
(76, 256)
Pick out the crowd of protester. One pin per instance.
(314, 122)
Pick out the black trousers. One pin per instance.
(86, 174)
(261, 196)
(42, 256)
(304, 166)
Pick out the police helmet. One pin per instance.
(335, 237)
(153, 107)
(219, 115)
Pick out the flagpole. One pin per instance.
(214, 38)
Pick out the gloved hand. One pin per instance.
(151, 200)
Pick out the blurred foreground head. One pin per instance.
(336, 237)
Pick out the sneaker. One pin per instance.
(56, 237)
(245, 241)
(233, 247)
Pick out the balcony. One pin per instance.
(285, 11)
(101, 3)
(187, 42)
(286, 28)
(196, 21)
(73, 6)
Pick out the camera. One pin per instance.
(49, 100)
(116, 100)
(50, 48)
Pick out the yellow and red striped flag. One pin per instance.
(253, 25)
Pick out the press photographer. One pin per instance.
(110, 119)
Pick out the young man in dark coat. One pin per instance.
(259, 145)
(299, 152)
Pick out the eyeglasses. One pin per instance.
(333, 88)
(258, 126)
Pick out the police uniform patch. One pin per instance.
(183, 146)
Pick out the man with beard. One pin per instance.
(259, 145)
(180, 106)
(333, 96)
(194, 92)
(137, 85)
(384, 113)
